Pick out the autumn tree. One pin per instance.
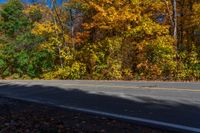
(134, 39)
(100, 39)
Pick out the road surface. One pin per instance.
(170, 104)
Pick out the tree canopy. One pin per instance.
(101, 39)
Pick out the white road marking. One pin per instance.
(118, 116)
(132, 87)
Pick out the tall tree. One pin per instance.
(12, 19)
(136, 26)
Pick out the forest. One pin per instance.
(100, 40)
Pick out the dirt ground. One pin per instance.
(24, 117)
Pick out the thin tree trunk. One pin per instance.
(58, 19)
(175, 21)
(174, 5)
(169, 12)
(72, 27)
(55, 22)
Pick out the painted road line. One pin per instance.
(113, 86)
(133, 87)
(177, 127)
(164, 125)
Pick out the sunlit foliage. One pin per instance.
(100, 39)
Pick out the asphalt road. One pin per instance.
(176, 103)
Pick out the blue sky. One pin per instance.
(2, 1)
(27, 1)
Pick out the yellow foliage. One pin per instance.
(43, 10)
(196, 14)
(75, 71)
(44, 28)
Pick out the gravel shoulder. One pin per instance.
(18, 116)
